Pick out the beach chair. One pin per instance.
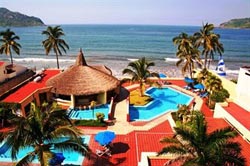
(3, 149)
(103, 152)
(203, 95)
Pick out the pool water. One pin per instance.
(71, 157)
(165, 100)
(89, 113)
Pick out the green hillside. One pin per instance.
(236, 23)
(15, 19)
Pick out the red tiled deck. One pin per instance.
(127, 148)
(239, 113)
(30, 87)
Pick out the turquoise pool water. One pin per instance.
(165, 100)
(89, 113)
(71, 157)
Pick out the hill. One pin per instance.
(236, 23)
(15, 19)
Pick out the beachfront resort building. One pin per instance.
(237, 110)
(77, 86)
(12, 75)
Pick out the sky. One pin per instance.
(156, 12)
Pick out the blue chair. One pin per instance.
(3, 149)
(203, 95)
(57, 159)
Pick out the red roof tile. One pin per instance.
(1, 63)
(30, 87)
(239, 113)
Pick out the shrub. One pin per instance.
(92, 123)
(100, 116)
(220, 96)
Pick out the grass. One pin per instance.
(137, 100)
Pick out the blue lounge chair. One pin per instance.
(3, 149)
(203, 95)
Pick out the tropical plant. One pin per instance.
(183, 114)
(54, 41)
(193, 145)
(187, 53)
(139, 70)
(100, 117)
(209, 41)
(92, 105)
(42, 129)
(8, 40)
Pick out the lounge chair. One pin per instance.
(3, 149)
(187, 87)
(203, 95)
(103, 152)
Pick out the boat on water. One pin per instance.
(171, 59)
(220, 69)
(132, 60)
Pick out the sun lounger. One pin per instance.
(103, 152)
(4, 148)
(203, 95)
(187, 87)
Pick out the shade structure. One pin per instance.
(82, 79)
(105, 137)
(199, 86)
(161, 75)
(188, 80)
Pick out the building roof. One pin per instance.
(28, 89)
(239, 113)
(82, 79)
(1, 63)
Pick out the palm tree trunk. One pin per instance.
(205, 64)
(190, 71)
(11, 60)
(141, 91)
(57, 61)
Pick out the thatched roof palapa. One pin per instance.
(82, 79)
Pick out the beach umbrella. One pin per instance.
(161, 75)
(188, 80)
(199, 86)
(57, 159)
(105, 137)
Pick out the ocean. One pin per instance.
(115, 45)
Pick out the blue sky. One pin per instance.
(165, 12)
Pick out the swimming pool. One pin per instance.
(71, 157)
(165, 100)
(89, 113)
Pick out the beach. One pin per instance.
(116, 65)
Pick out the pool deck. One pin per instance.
(133, 139)
(137, 138)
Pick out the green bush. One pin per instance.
(220, 96)
(100, 116)
(91, 123)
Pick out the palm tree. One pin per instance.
(187, 53)
(193, 145)
(139, 70)
(42, 130)
(54, 41)
(9, 43)
(209, 41)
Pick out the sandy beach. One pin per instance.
(117, 66)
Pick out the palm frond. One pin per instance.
(26, 159)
